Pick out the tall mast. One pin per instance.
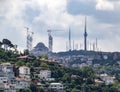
(85, 36)
(69, 40)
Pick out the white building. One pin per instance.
(89, 62)
(45, 74)
(22, 84)
(10, 90)
(2, 88)
(8, 80)
(57, 86)
(107, 79)
(6, 75)
(7, 69)
(3, 78)
(82, 65)
(24, 70)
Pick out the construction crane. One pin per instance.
(29, 39)
(50, 39)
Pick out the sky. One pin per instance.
(103, 22)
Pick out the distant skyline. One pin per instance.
(103, 22)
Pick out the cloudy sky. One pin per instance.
(103, 22)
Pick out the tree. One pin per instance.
(33, 87)
(75, 90)
(28, 64)
(26, 52)
(88, 72)
(36, 63)
(15, 48)
(7, 43)
(24, 90)
(43, 64)
(11, 45)
(1, 44)
(20, 63)
(43, 56)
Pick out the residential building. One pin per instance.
(107, 79)
(45, 74)
(24, 72)
(7, 69)
(3, 78)
(57, 86)
(22, 84)
(2, 88)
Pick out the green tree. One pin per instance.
(24, 90)
(36, 63)
(1, 44)
(88, 72)
(75, 90)
(43, 56)
(26, 52)
(28, 64)
(20, 63)
(7, 43)
(33, 87)
(43, 64)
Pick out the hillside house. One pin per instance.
(24, 72)
(107, 79)
(57, 86)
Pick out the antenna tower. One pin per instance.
(85, 36)
(69, 40)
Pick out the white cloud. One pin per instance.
(12, 14)
(54, 14)
(104, 5)
(86, 0)
(51, 14)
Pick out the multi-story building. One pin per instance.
(24, 72)
(45, 74)
(2, 88)
(6, 77)
(21, 83)
(7, 69)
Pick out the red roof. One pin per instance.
(23, 57)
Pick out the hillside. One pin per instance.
(73, 79)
